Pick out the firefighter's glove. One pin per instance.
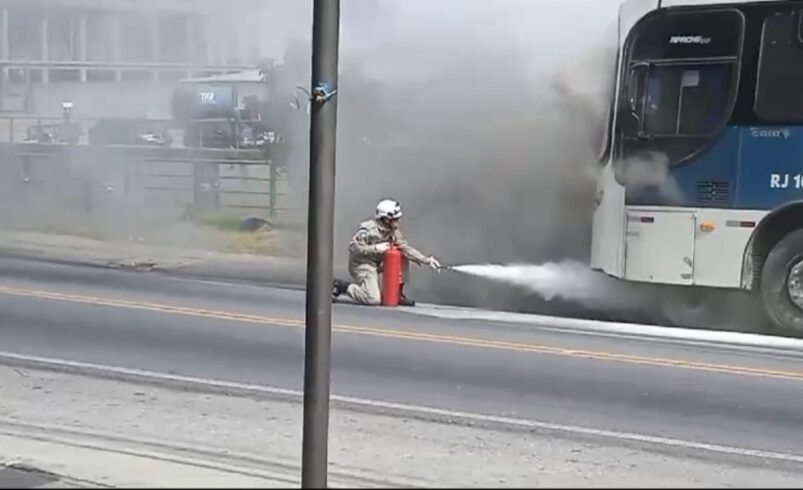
(382, 247)
(433, 262)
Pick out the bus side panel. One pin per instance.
(607, 247)
(720, 241)
(607, 243)
(707, 180)
(770, 169)
(660, 245)
(688, 246)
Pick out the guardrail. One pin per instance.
(231, 133)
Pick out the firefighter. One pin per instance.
(366, 251)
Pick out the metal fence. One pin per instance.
(174, 182)
(214, 183)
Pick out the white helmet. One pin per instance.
(388, 208)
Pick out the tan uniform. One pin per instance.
(365, 261)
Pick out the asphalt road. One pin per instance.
(743, 398)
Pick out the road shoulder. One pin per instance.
(140, 257)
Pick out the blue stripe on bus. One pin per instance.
(747, 168)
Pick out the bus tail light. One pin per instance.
(707, 226)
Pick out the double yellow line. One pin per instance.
(406, 334)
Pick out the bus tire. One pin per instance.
(776, 276)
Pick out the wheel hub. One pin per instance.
(794, 284)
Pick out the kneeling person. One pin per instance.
(366, 251)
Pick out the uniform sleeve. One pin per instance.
(360, 244)
(410, 252)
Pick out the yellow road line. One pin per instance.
(406, 334)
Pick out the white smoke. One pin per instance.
(570, 280)
(650, 170)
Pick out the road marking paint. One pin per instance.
(408, 335)
(34, 362)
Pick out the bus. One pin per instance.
(701, 182)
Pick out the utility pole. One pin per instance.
(320, 242)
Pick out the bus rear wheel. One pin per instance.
(782, 283)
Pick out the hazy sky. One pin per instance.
(421, 32)
(546, 28)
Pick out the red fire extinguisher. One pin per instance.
(391, 276)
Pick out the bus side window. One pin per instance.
(780, 71)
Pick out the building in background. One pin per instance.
(119, 58)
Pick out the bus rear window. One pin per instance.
(687, 99)
(680, 82)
